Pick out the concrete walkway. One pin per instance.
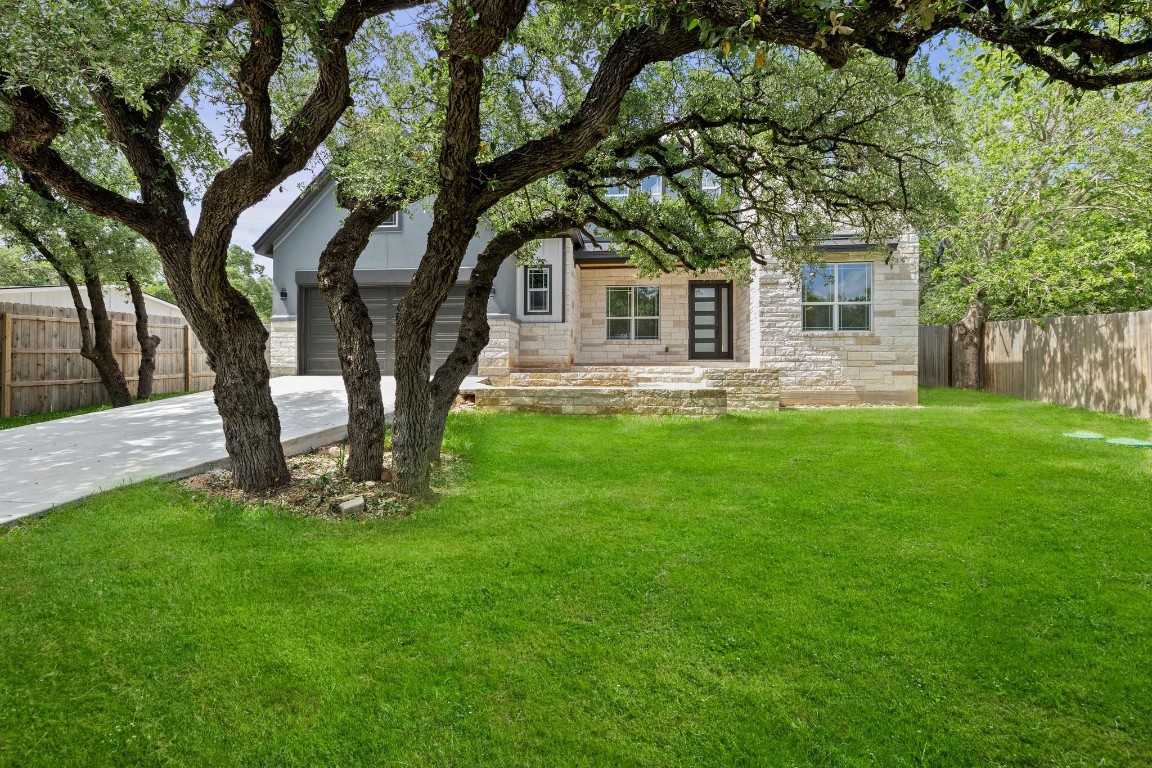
(45, 465)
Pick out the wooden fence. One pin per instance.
(1102, 362)
(41, 368)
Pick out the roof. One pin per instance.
(110, 288)
(292, 213)
(850, 242)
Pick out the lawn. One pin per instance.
(956, 585)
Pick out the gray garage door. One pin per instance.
(318, 336)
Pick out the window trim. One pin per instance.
(836, 303)
(714, 187)
(529, 290)
(631, 317)
(395, 225)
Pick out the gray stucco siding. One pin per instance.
(298, 249)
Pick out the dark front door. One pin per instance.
(318, 336)
(709, 320)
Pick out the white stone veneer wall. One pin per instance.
(672, 346)
(822, 367)
(282, 347)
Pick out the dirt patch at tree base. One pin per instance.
(318, 488)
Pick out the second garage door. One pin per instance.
(318, 336)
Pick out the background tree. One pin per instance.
(244, 273)
(21, 266)
(80, 248)
(1053, 208)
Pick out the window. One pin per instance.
(392, 222)
(837, 297)
(633, 312)
(710, 184)
(538, 290)
(654, 186)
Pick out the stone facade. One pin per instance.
(749, 389)
(282, 343)
(672, 346)
(698, 401)
(501, 356)
(844, 367)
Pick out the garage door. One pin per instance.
(318, 336)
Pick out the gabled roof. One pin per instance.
(292, 213)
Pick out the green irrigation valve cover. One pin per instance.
(1085, 435)
(1130, 441)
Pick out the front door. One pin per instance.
(709, 320)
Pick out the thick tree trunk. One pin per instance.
(235, 338)
(474, 334)
(454, 221)
(148, 342)
(355, 345)
(967, 360)
(244, 399)
(100, 351)
(474, 329)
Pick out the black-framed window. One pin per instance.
(538, 290)
(633, 312)
(837, 297)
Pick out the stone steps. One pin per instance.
(636, 389)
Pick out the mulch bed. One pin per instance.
(317, 489)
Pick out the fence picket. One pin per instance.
(1101, 362)
(41, 368)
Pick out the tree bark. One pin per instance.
(100, 350)
(454, 222)
(148, 342)
(967, 361)
(474, 335)
(355, 345)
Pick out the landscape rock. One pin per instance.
(353, 506)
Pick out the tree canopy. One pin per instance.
(1053, 207)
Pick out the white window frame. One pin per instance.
(710, 184)
(392, 223)
(546, 270)
(631, 317)
(836, 303)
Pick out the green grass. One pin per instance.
(951, 586)
(9, 422)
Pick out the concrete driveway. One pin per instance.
(45, 465)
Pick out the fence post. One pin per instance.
(187, 358)
(5, 364)
(950, 377)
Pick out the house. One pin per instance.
(844, 333)
(116, 299)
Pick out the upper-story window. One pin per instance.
(538, 290)
(710, 184)
(837, 297)
(392, 222)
